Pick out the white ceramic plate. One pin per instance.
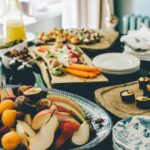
(121, 72)
(116, 62)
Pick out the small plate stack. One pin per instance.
(132, 133)
(117, 63)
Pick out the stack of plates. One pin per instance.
(117, 63)
(132, 134)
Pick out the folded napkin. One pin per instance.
(137, 39)
(145, 56)
(137, 43)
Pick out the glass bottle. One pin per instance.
(15, 29)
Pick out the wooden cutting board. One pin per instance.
(109, 98)
(109, 38)
(68, 78)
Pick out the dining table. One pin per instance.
(87, 90)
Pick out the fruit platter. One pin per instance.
(41, 118)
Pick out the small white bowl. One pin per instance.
(18, 47)
(6, 60)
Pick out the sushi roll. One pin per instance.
(147, 91)
(143, 81)
(127, 96)
(143, 102)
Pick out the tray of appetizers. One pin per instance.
(41, 118)
(57, 63)
(126, 100)
(89, 39)
(68, 64)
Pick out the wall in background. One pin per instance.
(129, 7)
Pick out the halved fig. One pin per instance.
(34, 94)
(22, 89)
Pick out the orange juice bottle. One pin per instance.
(15, 29)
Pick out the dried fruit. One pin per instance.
(10, 140)
(7, 104)
(11, 114)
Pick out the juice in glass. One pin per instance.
(15, 30)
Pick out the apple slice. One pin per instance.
(28, 130)
(41, 118)
(45, 137)
(81, 136)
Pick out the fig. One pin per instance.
(34, 94)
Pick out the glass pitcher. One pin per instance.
(15, 29)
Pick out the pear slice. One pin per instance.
(45, 137)
(41, 118)
(27, 128)
(28, 119)
(21, 132)
(81, 136)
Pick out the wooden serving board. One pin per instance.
(109, 38)
(109, 98)
(68, 78)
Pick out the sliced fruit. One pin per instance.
(67, 129)
(6, 104)
(22, 89)
(28, 130)
(28, 119)
(63, 116)
(21, 132)
(63, 107)
(41, 118)
(9, 118)
(66, 100)
(81, 136)
(33, 93)
(53, 107)
(10, 140)
(45, 137)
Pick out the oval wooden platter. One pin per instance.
(109, 98)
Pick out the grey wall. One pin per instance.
(128, 7)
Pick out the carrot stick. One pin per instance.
(84, 67)
(80, 73)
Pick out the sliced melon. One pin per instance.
(63, 107)
(81, 136)
(66, 100)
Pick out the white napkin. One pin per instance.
(138, 39)
(145, 56)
